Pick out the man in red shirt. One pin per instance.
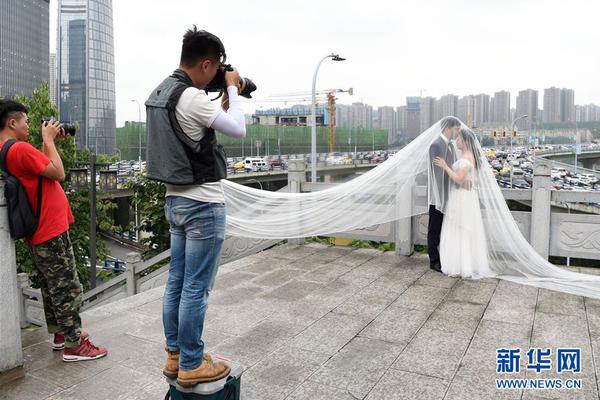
(50, 245)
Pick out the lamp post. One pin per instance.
(512, 129)
(257, 181)
(313, 136)
(139, 133)
(137, 217)
(79, 180)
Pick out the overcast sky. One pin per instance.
(394, 49)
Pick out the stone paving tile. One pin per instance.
(258, 342)
(330, 333)
(456, 316)
(310, 390)
(596, 357)
(421, 297)
(28, 388)
(355, 259)
(116, 383)
(238, 319)
(560, 303)
(327, 273)
(292, 291)
(563, 330)
(402, 385)
(232, 279)
(369, 302)
(280, 373)
(432, 352)
(334, 293)
(235, 296)
(277, 277)
(472, 291)
(470, 386)
(434, 278)
(358, 366)
(396, 324)
(34, 335)
(399, 278)
(365, 274)
(593, 318)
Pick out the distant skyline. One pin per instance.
(393, 50)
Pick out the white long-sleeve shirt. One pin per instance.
(196, 113)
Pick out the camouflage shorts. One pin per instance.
(61, 290)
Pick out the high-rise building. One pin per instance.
(52, 79)
(466, 110)
(552, 105)
(427, 113)
(343, 115)
(567, 106)
(86, 88)
(481, 110)
(387, 120)
(449, 105)
(501, 114)
(24, 46)
(559, 105)
(413, 117)
(401, 120)
(588, 113)
(527, 104)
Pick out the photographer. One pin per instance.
(50, 245)
(184, 154)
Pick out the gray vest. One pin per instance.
(171, 156)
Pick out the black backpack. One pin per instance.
(21, 220)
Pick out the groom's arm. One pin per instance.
(435, 150)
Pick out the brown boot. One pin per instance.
(208, 371)
(172, 366)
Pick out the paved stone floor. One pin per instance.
(332, 323)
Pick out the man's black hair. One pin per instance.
(449, 122)
(10, 109)
(198, 45)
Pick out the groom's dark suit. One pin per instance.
(439, 148)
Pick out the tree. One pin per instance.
(40, 106)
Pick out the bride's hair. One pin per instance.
(470, 141)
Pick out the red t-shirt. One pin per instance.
(26, 163)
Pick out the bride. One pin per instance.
(480, 238)
(463, 247)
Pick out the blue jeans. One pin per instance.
(197, 235)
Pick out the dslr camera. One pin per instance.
(218, 84)
(67, 127)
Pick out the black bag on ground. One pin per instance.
(21, 220)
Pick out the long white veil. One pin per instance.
(391, 191)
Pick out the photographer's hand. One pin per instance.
(51, 130)
(232, 78)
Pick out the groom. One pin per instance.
(441, 147)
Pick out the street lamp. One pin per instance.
(257, 181)
(137, 216)
(139, 133)
(512, 129)
(313, 136)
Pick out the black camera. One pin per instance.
(67, 127)
(218, 84)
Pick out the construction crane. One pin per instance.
(321, 95)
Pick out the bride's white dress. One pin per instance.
(463, 247)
